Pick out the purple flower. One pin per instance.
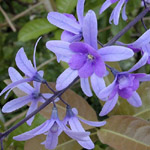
(25, 65)
(33, 95)
(141, 44)
(85, 59)
(72, 28)
(125, 85)
(73, 121)
(116, 12)
(52, 128)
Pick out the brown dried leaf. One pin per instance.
(126, 133)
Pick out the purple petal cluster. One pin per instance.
(116, 12)
(54, 127)
(85, 59)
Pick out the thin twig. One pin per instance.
(22, 14)
(46, 62)
(7, 19)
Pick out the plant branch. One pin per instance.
(131, 24)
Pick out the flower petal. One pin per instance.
(135, 100)
(86, 86)
(105, 5)
(109, 105)
(24, 64)
(64, 22)
(66, 78)
(80, 10)
(97, 84)
(16, 104)
(90, 29)
(60, 48)
(124, 16)
(140, 63)
(15, 76)
(115, 53)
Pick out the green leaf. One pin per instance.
(65, 6)
(126, 133)
(34, 29)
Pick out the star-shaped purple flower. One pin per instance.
(116, 12)
(33, 95)
(72, 28)
(52, 128)
(25, 65)
(85, 59)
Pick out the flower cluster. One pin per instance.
(78, 47)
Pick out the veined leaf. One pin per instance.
(126, 133)
(34, 29)
(66, 6)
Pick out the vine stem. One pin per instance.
(125, 29)
(59, 93)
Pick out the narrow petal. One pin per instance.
(86, 70)
(117, 11)
(86, 86)
(24, 64)
(135, 100)
(34, 59)
(109, 105)
(104, 93)
(64, 22)
(66, 78)
(140, 63)
(90, 29)
(60, 47)
(105, 5)
(30, 134)
(115, 53)
(13, 85)
(93, 123)
(80, 10)
(126, 92)
(124, 16)
(97, 84)
(16, 76)
(33, 107)
(16, 104)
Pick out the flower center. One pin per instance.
(35, 95)
(91, 57)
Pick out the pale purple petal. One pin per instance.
(66, 78)
(34, 59)
(90, 29)
(30, 134)
(145, 78)
(135, 100)
(15, 76)
(109, 105)
(117, 11)
(104, 93)
(60, 48)
(86, 70)
(16, 104)
(93, 123)
(97, 84)
(80, 10)
(33, 107)
(140, 63)
(105, 5)
(124, 16)
(64, 22)
(115, 53)
(13, 85)
(24, 64)
(77, 61)
(86, 86)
